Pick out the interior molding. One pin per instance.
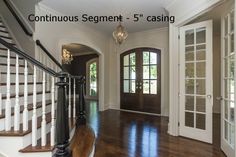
(22, 16)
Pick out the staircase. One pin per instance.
(28, 103)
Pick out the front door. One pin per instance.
(141, 80)
(196, 81)
(228, 84)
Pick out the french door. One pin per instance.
(141, 80)
(228, 84)
(196, 81)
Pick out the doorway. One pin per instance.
(141, 80)
(220, 103)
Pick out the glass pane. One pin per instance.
(189, 70)
(132, 89)
(189, 37)
(201, 55)
(232, 21)
(231, 135)
(231, 110)
(153, 86)
(189, 56)
(232, 43)
(226, 67)
(126, 72)
(126, 86)
(200, 104)
(231, 88)
(189, 103)
(153, 58)
(226, 46)
(226, 130)
(146, 72)
(126, 60)
(153, 71)
(132, 72)
(201, 35)
(201, 69)
(189, 86)
(226, 110)
(201, 121)
(145, 58)
(201, 47)
(189, 119)
(132, 59)
(226, 89)
(200, 87)
(146, 86)
(226, 25)
(231, 66)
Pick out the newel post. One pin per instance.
(62, 125)
(80, 107)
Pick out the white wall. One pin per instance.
(54, 35)
(156, 38)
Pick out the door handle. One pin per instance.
(219, 98)
(209, 96)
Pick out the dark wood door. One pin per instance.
(141, 80)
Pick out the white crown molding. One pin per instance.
(22, 16)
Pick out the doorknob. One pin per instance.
(219, 98)
(209, 96)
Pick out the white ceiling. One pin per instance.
(113, 7)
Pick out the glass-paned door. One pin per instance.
(196, 81)
(92, 79)
(140, 80)
(228, 84)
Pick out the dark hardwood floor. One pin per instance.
(124, 134)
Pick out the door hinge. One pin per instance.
(178, 124)
(178, 36)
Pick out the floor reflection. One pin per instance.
(124, 134)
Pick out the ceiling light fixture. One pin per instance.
(66, 57)
(120, 34)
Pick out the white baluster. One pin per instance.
(34, 117)
(69, 96)
(8, 101)
(43, 123)
(25, 112)
(53, 112)
(74, 98)
(17, 106)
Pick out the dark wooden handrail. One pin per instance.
(48, 54)
(13, 12)
(28, 57)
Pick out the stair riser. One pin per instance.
(3, 89)
(12, 61)
(12, 69)
(3, 29)
(8, 40)
(4, 52)
(4, 34)
(30, 114)
(30, 99)
(13, 78)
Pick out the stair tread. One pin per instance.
(30, 107)
(1, 36)
(48, 147)
(20, 83)
(13, 73)
(23, 133)
(12, 65)
(3, 31)
(38, 147)
(22, 94)
(12, 57)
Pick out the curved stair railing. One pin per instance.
(62, 111)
